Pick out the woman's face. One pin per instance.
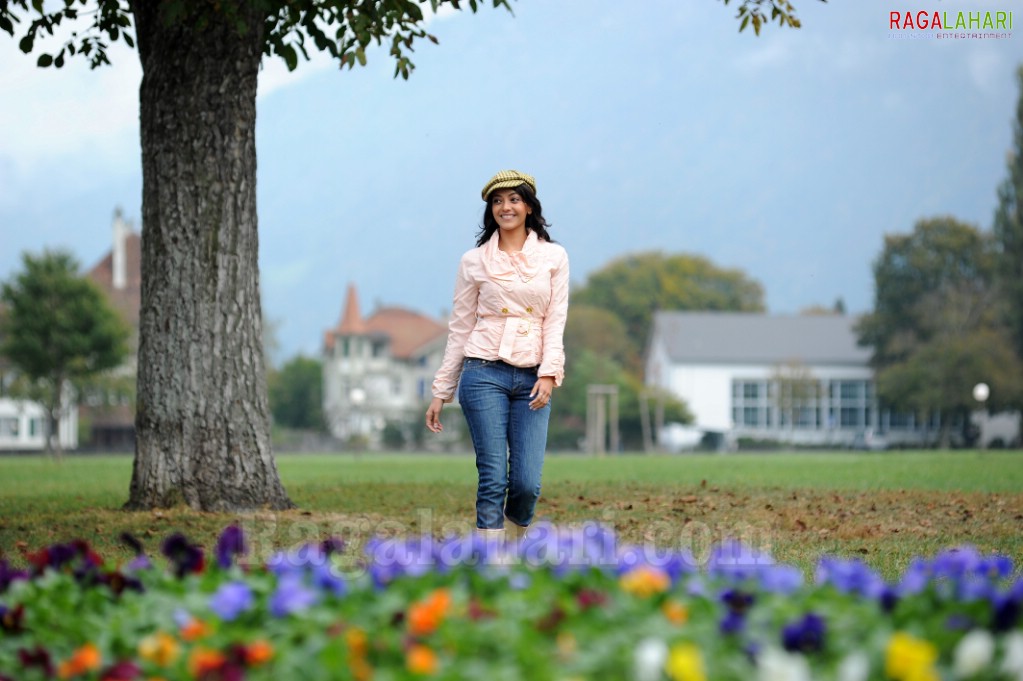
(509, 209)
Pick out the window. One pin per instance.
(751, 405)
(9, 428)
(750, 416)
(850, 417)
(806, 417)
(851, 390)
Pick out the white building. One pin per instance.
(23, 426)
(107, 416)
(801, 380)
(378, 370)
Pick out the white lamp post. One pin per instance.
(981, 392)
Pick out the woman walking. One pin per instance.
(505, 344)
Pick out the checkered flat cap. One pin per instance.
(507, 179)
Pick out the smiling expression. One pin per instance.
(509, 209)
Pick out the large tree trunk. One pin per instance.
(202, 420)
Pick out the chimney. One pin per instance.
(120, 257)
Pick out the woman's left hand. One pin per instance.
(541, 392)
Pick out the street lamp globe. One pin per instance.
(981, 392)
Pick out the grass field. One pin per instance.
(884, 508)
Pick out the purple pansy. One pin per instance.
(850, 576)
(231, 600)
(805, 635)
(185, 557)
(8, 575)
(231, 543)
(291, 596)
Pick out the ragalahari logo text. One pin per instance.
(956, 25)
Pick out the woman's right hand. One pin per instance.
(433, 415)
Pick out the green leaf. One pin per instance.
(290, 57)
(745, 21)
(44, 60)
(360, 54)
(26, 44)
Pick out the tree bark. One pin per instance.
(202, 419)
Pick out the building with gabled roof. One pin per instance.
(802, 380)
(109, 409)
(378, 370)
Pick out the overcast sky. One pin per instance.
(649, 126)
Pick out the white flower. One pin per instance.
(1012, 662)
(855, 667)
(648, 660)
(974, 652)
(774, 664)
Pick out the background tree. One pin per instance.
(58, 332)
(935, 329)
(568, 408)
(202, 422)
(837, 309)
(296, 394)
(1008, 231)
(796, 388)
(635, 286)
(599, 331)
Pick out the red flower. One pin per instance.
(122, 671)
(37, 658)
(11, 618)
(590, 598)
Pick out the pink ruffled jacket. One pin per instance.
(508, 306)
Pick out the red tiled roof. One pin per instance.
(408, 330)
(351, 317)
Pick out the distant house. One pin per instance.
(109, 411)
(378, 370)
(22, 426)
(802, 380)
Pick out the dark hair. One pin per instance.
(534, 221)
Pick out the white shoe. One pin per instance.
(516, 532)
(490, 536)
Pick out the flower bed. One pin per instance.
(563, 604)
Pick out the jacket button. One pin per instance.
(529, 309)
(504, 310)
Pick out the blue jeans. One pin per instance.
(509, 439)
